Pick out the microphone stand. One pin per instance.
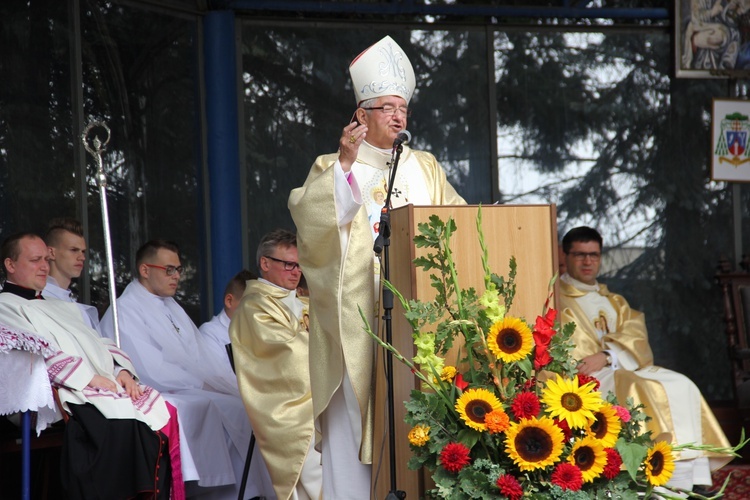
(382, 244)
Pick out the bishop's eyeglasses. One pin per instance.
(390, 110)
(170, 270)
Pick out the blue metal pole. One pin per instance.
(223, 149)
(26, 455)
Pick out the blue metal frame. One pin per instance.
(223, 155)
(569, 9)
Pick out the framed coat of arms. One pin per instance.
(730, 136)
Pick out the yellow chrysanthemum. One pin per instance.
(606, 425)
(659, 464)
(448, 373)
(534, 443)
(588, 455)
(567, 401)
(510, 339)
(419, 435)
(497, 421)
(474, 404)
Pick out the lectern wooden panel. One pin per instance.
(528, 232)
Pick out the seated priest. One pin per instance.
(67, 257)
(270, 343)
(172, 356)
(216, 331)
(612, 345)
(119, 431)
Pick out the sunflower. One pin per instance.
(574, 404)
(588, 455)
(659, 464)
(474, 404)
(606, 426)
(534, 443)
(510, 339)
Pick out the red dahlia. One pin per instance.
(510, 487)
(585, 379)
(525, 405)
(454, 457)
(614, 461)
(567, 476)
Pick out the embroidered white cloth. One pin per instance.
(24, 385)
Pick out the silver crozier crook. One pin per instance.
(95, 146)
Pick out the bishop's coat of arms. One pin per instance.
(732, 146)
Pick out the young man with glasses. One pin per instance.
(172, 355)
(270, 344)
(611, 343)
(337, 220)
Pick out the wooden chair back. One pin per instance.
(735, 291)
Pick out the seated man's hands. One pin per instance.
(131, 386)
(592, 364)
(99, 382)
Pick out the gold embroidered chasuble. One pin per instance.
(629, 335)
(270, 347)
(342, 281)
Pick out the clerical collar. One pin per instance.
(579, 284)
(292, 293)
(377, 157)
(21, 291)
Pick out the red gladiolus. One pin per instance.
(567, 476)
(563, 425)
(454, 457)
(525, 405)
(614, 461)
(460, 382)
(510, 487)
(543, 333)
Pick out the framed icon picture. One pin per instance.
(729, 144)
(712, 38)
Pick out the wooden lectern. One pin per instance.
(528, 232)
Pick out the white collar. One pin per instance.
(580, 285)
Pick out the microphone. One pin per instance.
(403, 137)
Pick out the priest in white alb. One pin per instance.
(171, 354)
(337, 215)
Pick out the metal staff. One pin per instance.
(95, 146)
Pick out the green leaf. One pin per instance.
(632, 455)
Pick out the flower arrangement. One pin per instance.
(512, 418)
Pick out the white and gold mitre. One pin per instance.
(382, 69)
